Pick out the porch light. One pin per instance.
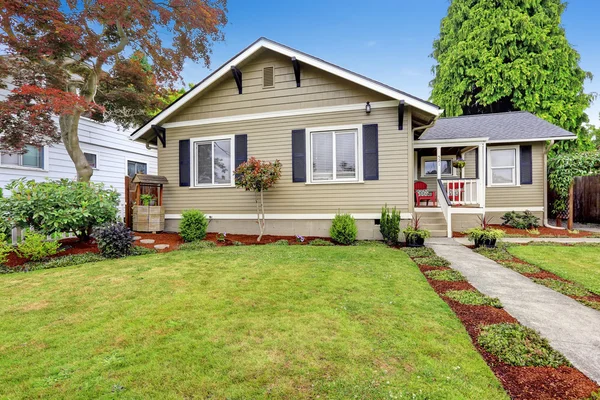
(368, 107)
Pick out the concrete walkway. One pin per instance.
(572, 328)
(465, 241)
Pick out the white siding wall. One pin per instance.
(113, 149)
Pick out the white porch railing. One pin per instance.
(461, 191)
(444, 205)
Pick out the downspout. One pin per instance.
(150, 146)
(546, 150)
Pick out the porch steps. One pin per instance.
(434, 223)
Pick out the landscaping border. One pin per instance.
(539, 275)
(531, 382)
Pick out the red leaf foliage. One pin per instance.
(256, 175)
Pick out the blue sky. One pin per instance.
(387, 40)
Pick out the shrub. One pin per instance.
(389, 225)
(320, 242)
(517, 345)
(473, 298)
(343, 229)
(35, 247)
(566, 288)
(5, 248)
(141, 251)
(445, 275)
(114, 240)
(61, 206)
(281, 242)
(193, 225)
(414, 234)
(433, 261)
(415, 252)
(197, 245)
(525, 220)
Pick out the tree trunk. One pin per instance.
(69, 132)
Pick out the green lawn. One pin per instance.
(238, 323)
(580, 264)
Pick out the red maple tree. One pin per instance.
(103, 58)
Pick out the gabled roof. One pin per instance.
(499, 127)
(303, 58)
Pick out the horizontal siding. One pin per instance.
(524, 195)
(270, 139)
(318, 89)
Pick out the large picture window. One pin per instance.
(334, 155)
(503, 165)
(213, 162)
(33, 158)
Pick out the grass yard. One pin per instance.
(580, 264)
(237, 322)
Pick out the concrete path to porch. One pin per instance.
(571, 328)
(464, 241)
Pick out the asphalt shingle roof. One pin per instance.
(508, 126)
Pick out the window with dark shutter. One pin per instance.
(299, 155)
(370, 152)
(526, 165)
(241, 149)
(184, 162)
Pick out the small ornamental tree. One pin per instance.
(563, 168)
(258, 176)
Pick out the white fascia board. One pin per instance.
(420, 144)
(508, 141)
(279, 114)
(263, 43)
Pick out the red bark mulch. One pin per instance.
(544, 232)
(522, 383)
(251, 239)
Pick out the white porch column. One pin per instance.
(482, 173)
(439, 162)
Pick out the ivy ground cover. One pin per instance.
(237, 322)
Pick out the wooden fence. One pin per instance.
(586, 199)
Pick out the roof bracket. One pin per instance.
(400, 115)
(237, 75)
(296, 65)
(161, 134)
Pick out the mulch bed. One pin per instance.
(251, 239)
(539, 383)
(543, 232)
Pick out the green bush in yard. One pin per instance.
(525, 220)
(343, 229)
(63, 205)
(320, 242)
(280, 242)
(389, 224)
(5, 248)
(193, 225)
(517, 345)
(35, 247)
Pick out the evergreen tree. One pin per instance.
(509, 55)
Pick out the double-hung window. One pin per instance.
(213, 161)
(32, 158)
(429, 166)
(334, 155)
(503, 166)
(136, 167)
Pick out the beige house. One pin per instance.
(346, 143)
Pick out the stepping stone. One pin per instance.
(161, 246)
(147, 241)
(137, 237)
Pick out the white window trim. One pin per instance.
(434, 158)
(45, 167)
(193, 142)
(358, 159)
(97, 167)
(137, 160)
(517, 170)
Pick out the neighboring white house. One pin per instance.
(108, 149)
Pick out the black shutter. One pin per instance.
(184, 162)
(370, 152)
(477, 163)
(526, 166)
(241, 149)
(299, 155)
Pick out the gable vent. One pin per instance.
(268, 77)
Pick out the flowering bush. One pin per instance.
(258, 176)
(300, 238)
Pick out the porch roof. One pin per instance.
(516, 126)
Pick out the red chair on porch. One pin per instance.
(422, 193)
